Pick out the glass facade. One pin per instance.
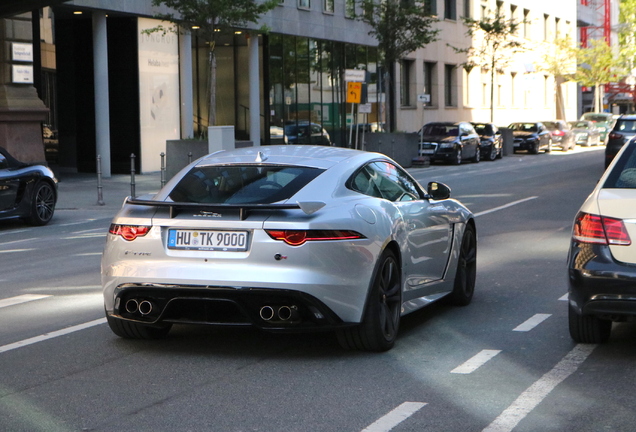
(305, 85)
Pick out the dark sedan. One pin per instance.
(27, 191)
(561, 134)
(602, 256)
(491, 141)
(450, 142)
(532, 137)
(623, 131)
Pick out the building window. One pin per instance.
(546, 28)
(429, 79)
(450, 9)
(430, 7)
(513, 88)
(466, 8)
(513, 16)
(304, 4)
(450, 85)
(406, 87)
(328, 6)
(350, 9)
(526, 23)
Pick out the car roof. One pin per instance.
(303, 155)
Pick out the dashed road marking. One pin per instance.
(538, 391)
(395, 417)
(16, 250)
(564, 297)
(11, 301)
(475, 362)
(532, 322)
(505, 206)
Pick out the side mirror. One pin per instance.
(438, 191)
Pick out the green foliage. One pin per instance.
(399, 26)
(597, 65)
(212, 16)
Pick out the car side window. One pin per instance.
(4, 163)
(385, 180)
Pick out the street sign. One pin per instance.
(354, 92)
(424, 98)
(364, 108)
(355, 75)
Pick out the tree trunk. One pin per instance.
(389, 99)
(558, 95)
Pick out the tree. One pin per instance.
(495, 43)
(597, 65)
(400, 27)
(211, 18)
(559, 60)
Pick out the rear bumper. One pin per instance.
(600, 285)
(267, 309)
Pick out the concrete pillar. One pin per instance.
(185, 78)
(102, 107)
(255, 96)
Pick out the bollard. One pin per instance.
(100, 197)
(132, 175)
(189, 158)
(163, 169)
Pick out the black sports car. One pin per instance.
(27, 191)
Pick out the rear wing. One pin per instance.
(243, 209)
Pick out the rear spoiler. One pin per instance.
(242, 209)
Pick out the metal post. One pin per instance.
(100, 197)
(132, 174)
(163, 169)
(189, 158)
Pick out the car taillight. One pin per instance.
(558, 133)
(129, 232)
(615, 135)
(299, 237)
(590, 228)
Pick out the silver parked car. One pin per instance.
(288, 238)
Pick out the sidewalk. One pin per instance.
(78, 191)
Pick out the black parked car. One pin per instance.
(624, 130)
(561, 134)
(28, 192)
(306, 133)
(491, 141)
(450, 142)
(531, 136)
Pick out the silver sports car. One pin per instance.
(288, 238)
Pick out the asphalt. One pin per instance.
(79, 191)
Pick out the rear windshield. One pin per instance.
(526, 127)
(596, 117)
(580, 125)
(625, 125)
(484, 129)
(623, 176)
(242, 184)
(441, 129)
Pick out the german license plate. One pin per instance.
(207, 240)
(427, 151)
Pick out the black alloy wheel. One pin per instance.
(466, 273)
(535, 148)
(588, 328)
(493, 152)
(42, 205)
(457, 156)
(477, 156)
(381, 320)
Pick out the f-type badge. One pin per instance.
(208, 214)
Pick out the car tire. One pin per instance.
(535, 148)
(42, 204)
(500, 152)
(381, 318)
(477, 156)
(588, 328)
(466, 273)
(133, 330)
(493, 153)
(457, 157)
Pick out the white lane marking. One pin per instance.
(51, 335)
(534, 394)
(395, 417)
(85, 236)
(19, 241)
(77, 223)
(16, 250)
(505, 206)
(475, 362)
(14, 232)
(89, 254)
(11, 301)
(564, 297)
(531, 323)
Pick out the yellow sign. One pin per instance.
(354, 92)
